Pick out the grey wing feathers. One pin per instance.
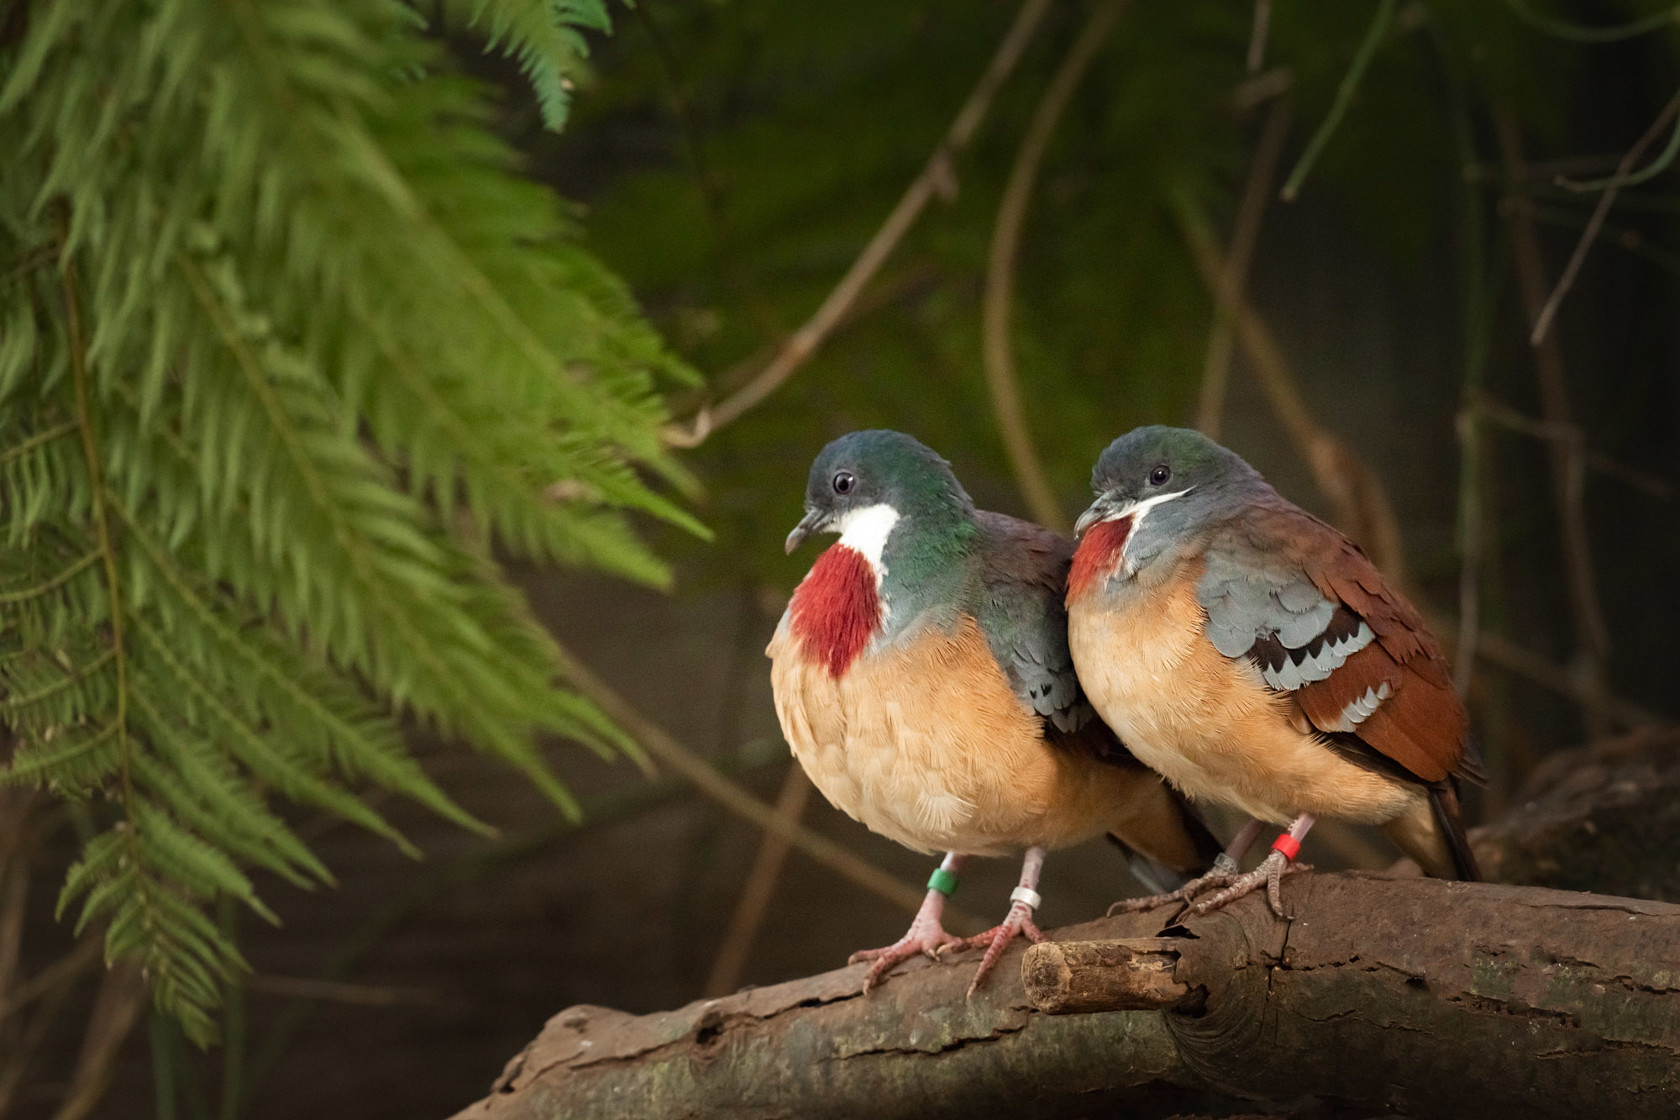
(1023, 575)
(1274, 615)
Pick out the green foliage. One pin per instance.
(288, 350)
(773, 139)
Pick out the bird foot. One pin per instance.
(1271, 870)
(996, 940)
(1196, 886)
(928, 939)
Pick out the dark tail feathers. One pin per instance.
(1443, 800)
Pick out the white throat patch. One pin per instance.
(1137, 511)
(866, 531)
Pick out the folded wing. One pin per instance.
(1318, 620)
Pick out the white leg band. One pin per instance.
(1027, 895)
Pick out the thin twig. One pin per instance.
(884, 292)
(1543, 321)
(16, 1061)
(89, 952)
(731, 796)
(760, 887)
(1344, 98)
(1573, 439)
(1361, 504)
(1503, 653)
(1257, 36)
(936, 178)
(339, 991)
(15, 838)
(1000, 267)
(1245, 232)
(1581, 33)
(1591, 633)
(117, 1007)
(28, 263)
(1477, 315)
(1470, 540)
(1256, 91)
(1496, 649)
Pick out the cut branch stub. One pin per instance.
(1128, 974)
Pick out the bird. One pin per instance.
(922, 678)
(1253, 655)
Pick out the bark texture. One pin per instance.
(1420, 996)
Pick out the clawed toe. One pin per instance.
(1269, 875)
(1196, 886)
(997, 939)
(930, 944)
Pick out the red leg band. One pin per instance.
(1288, 845)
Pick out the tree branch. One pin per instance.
(1613, 187)
(1598, 818)
(936, 178)
(1380, 993)
(1245, 232)
(1496, 649)
(1344, 97)
(1000, 267)
(754, 903)
(1535, 1002)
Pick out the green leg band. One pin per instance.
(943, 881)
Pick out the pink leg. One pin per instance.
(1279, 862)
(1024, 900)
(1222, 873)
(926, 935)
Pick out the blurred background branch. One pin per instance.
(1001, 377)
(938, 178)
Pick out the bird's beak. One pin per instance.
(1105, 508)
(813, 521)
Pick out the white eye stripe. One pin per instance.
(1137, 511)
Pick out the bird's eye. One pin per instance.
(843, 482)
(1159, 476)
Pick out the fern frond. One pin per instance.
(287, 348)
(543, 35)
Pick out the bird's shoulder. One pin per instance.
(1020, 581)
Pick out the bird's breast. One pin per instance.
(925, 743)
(836, 608)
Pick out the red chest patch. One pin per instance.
(1098, 552)
(836, 608)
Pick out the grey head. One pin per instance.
(1170, 483)
(873, 480)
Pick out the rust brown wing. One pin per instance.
(1310, 610)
